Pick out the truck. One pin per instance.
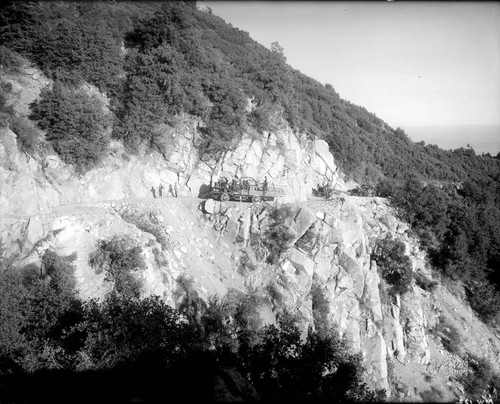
(246, 189)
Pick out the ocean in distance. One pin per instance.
(482, 138)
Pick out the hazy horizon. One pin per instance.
(483, 138)
(418, 61)
(432, 68)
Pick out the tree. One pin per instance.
(278, 50)
(13, 318)
(284, 368)
(118, 257)
(122, 330)
(76, 125)
(277, 236)
(394, 264)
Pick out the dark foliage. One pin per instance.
(458, 225)
(481, 379)
(6, 110)
(29, 140)
(277, 236)
(12, 313)
(394, 265)
(449, 335)
(118, 257)
(76, 125)
(67, 43)
(132, 348)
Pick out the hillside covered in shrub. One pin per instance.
(125, 349)
(156, 61)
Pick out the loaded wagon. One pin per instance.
(246, 189)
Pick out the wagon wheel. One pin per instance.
(256, 198)
(224, 197)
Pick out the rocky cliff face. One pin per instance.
(44, 205)
(35, 186)
(32, 186)
(401, 353)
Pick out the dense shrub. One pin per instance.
(246, 262)
(425, 283)
(11, 61)
(231, 324)
(277, 236)
(61, 271)
(12, 313)
(29, 140)
(6, 111)
(151, 340)
(481, 378)
(76, 125)
(33, 309)
(122, 330)
(118, 257)
(321, 369)
(189, 303)
(394, 265)
(65, 43)
(50, 300)
(449, 335)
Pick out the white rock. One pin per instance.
(320, 215)
(301, 262)
(210, 206)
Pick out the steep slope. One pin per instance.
(214, 244)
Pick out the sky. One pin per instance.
(410, 63)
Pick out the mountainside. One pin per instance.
(115, 99)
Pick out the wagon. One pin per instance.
(246, 189)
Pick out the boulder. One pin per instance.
(320, 215)
(348, 263)
(301, 262)
(302, 221)
(211, 206)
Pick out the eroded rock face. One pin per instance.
(31, 186)
(345, 229)
(339, 261)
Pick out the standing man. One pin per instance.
(171, 190)
(235, 183)
(153, 191)
(160, 190)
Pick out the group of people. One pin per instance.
(172, 190)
